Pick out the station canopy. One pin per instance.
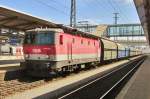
(12, 19)
(143, 9)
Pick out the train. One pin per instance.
(54, 51)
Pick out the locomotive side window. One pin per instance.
(61, 39)
(88, 42)
(94, 43)
(40, 38)
(81, 41)
(29, 38)
(73, 40)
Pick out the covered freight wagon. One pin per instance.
(109, 49)
(121, 51)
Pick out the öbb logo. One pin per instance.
(36, 50)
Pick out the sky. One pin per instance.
(94, 11)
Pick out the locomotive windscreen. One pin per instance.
(39, 38)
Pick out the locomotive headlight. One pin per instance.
(47, 56)
(27, 56)
(47, 65)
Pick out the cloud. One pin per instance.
(125, 1)
(128, 1)
(91, 21)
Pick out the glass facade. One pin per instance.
(87, 28)
(131, 35)
(125, 30)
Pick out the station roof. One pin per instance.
(10, 18)
(143, 9)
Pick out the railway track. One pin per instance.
(115, 89)
(24, 83)
(106, 86)
(18, 85)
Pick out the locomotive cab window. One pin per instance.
(39, 38)
(61, 39)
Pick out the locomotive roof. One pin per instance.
(77, 32)
(46, 29)
(65, 29)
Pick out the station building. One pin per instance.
(127, 34)
(10, 40)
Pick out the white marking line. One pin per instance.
(8, 65)
(120, 80)
(11, 57)
(92, 82)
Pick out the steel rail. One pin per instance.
(125, 65)
(117, 83)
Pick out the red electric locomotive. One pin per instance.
(49, 51)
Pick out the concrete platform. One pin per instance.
(10, 61)
(138, 86)
(10, 73)
(9, 57)
(10, 67)
(57, 84)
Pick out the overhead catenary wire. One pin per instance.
(116, 10)
(121, 11)
(101, 6)
(49, 6)
(64, 6)
(56, 9)
(106, 7)
(98, 4)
